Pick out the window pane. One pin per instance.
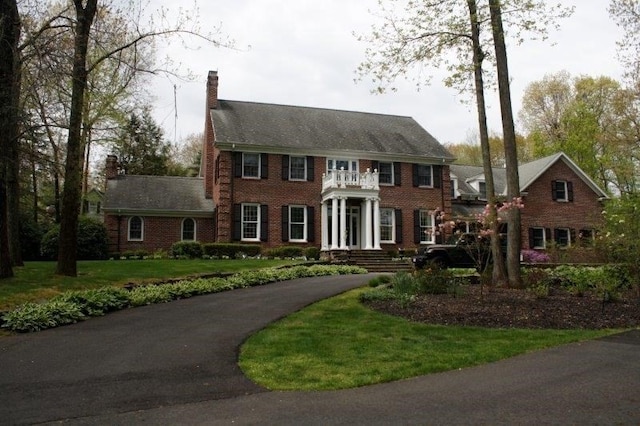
(424, 175)
(561, 190)
(483, 190)
(297, 225)
(563, 238)
(188, 230)
(385, 173)
(250, 165)
(250, 222)
(427, 234)
(386, 224)
(135, 228)
(538, 238)
(297, 168)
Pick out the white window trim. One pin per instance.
(304, 225)
(432, 235)
(392, 183)
(352, 162)
(141, 229)
(430, 166)
(195, 228)
(242, 222)
(544, 237)
(568, 231)
(565, 199)
(302, 179)
(393, 226)
(454, 186)
(259, 165)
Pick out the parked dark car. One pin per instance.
(467, 251)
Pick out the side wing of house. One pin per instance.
(562, 205)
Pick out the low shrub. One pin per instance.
(230, 250)
(187, 249)
(433, 280)
(285, 252)
(379, 280)
(312, 253)
(78, 305)
(92, 240)
(535, 256)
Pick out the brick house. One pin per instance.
(279, 175)
(562, 205)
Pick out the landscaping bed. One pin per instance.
(516, 308)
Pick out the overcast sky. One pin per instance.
(303, 52)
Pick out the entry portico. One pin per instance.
(350, 215)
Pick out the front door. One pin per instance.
(353, 227)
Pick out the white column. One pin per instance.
(368, 230)
(334, 223)
(376, 224)
(324, 225)
(343, 223)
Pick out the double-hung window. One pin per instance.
(563, 237)
(297, 223)
(427, 229)
(538, 238)
(250, 222)
(136, 228)
(188, 229)
(385, 173)
(297, 168)
(425, 175)
(250, 165)
(387, 225)
(562, 191)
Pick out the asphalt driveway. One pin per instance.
(175, 363)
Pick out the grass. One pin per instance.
(338, 343)
(37, 280)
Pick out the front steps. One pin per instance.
(374, 260)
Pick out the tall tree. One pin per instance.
(9, 77)
(67, 249)
(509, 138)
(626, 13)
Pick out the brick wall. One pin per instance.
(159, 233)
(276, 192)
(540, 210)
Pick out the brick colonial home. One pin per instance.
(562, 205)
(279, 175)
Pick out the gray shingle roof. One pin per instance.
(466, 173)
(159, 194)
(296, 129)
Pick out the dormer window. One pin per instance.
(561, 191)
(482, 189)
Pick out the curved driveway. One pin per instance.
(175, 363)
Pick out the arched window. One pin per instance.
(188, 229)
(136, 228)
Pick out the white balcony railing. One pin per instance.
(346, 179)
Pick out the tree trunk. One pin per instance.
(13, 180)
(9, 67)
(499, 274)
(510, 151)
(68, 245)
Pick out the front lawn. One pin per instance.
(36, 280)
(338, 343)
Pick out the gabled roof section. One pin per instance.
(303, 129)
(160, 195)
(530, 172)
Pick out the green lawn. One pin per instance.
(36, 280)
(338, 343)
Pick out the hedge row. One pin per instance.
(75, 306)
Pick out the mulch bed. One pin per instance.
(516, 308)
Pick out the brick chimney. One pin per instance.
(209, 134)
(111, 169)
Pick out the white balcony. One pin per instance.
(352, 180)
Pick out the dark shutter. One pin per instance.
(415, 175)
(264, 166)
(570, 191)
(310, 168)
(397, 174)
(572, 235)
(398, 226)
(311, 224)
(531, 242)
(555, 235)
(416, 226)
(285, 223)
(264, 222)
(554, 196)
(285, 167)
(237, 164)
(237, 222)
(547, 234)
(437, 176)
